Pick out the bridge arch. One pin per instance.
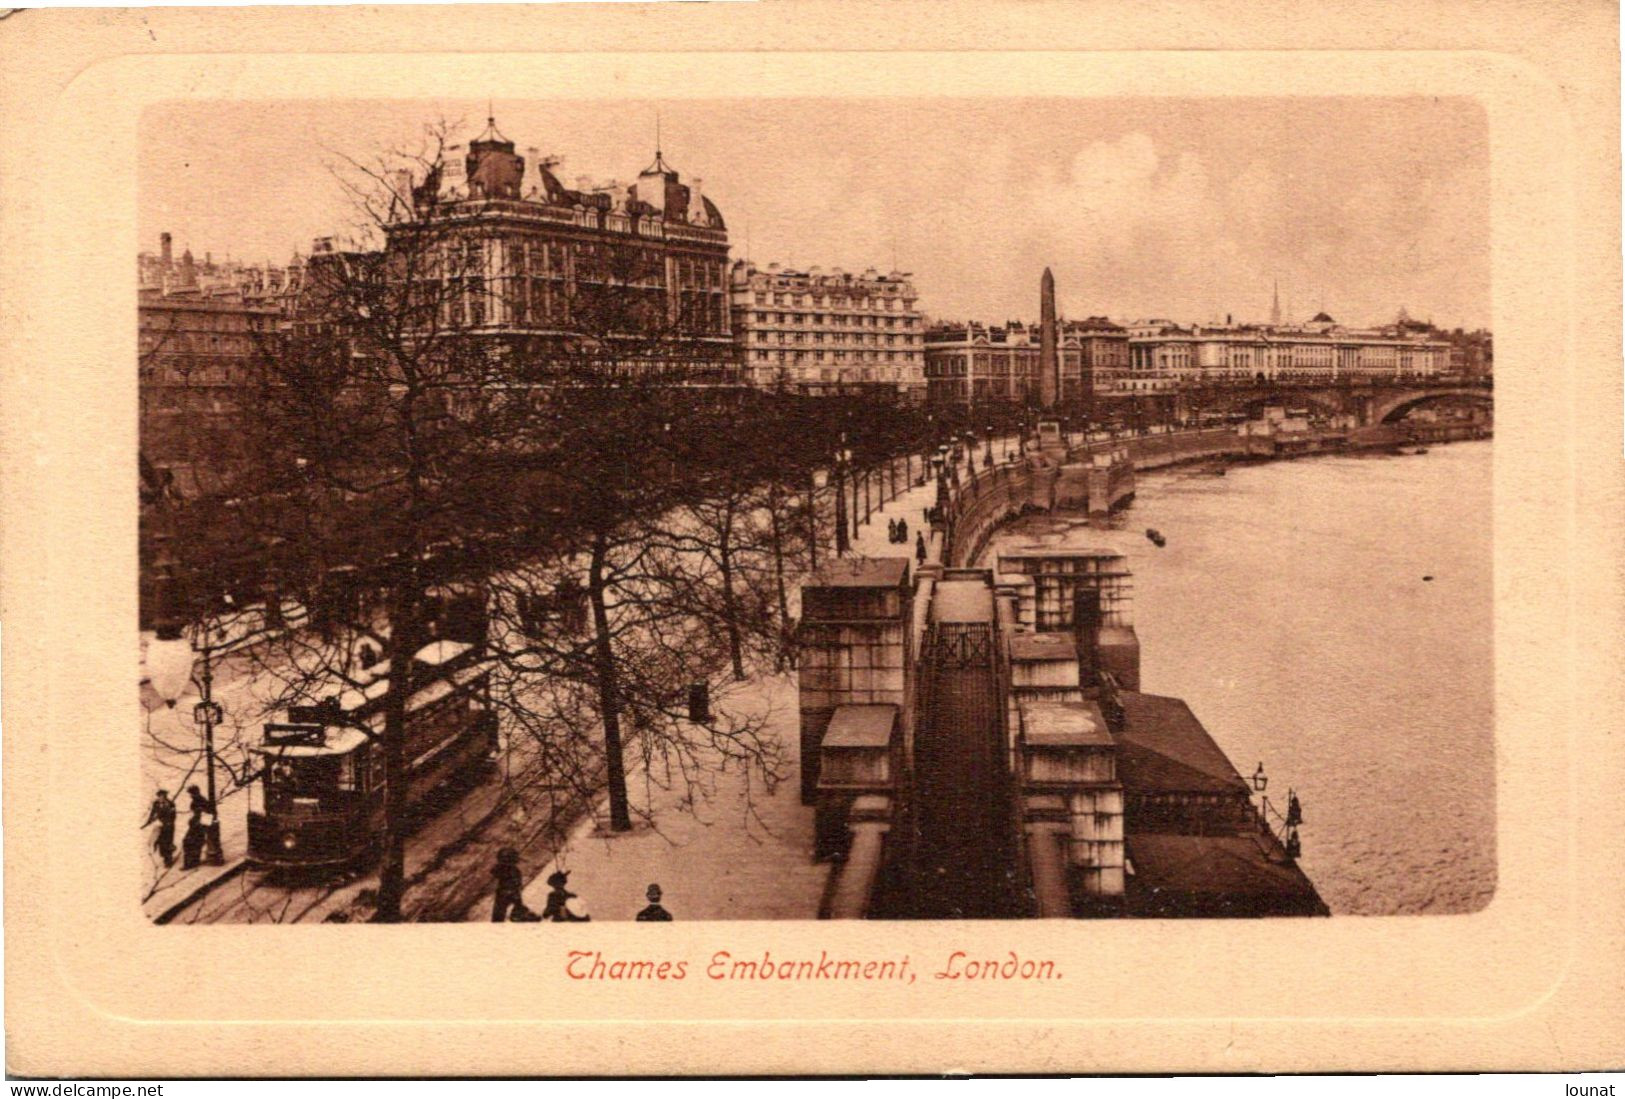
(1327, 404)
(1393, 407)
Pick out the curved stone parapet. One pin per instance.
(984, 503)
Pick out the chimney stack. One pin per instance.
(533, 171)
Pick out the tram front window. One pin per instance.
(294, 784)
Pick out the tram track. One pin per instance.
(448, 858)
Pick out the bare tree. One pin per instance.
(628, 527)
(389, 454)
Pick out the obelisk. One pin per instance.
(1049, 364)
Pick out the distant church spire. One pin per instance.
(1275, 305)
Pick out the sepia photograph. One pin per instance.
(811, 539)
(815, 509)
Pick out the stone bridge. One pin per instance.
(1372, 402)
(1388, 407)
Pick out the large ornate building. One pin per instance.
(1164, 356)
(974, 364)
(817, 331)
(534, 264)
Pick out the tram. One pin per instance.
(317, 799)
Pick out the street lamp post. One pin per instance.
(816, 480)
(207, 713)
(842, 541)
(170, 660)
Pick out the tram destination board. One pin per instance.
(292, 735)
(325, 712)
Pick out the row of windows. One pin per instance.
(201, 321)
(835, 320)
(181, 343)
(166, 400)
(827, 374)
(937, 368)
(556, 259)
(833, 356)
(1243, 367)
(880, 305)
(860, 338)
(553, 301)
(1178, 355)
(196, 372)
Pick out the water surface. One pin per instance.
(1290, 609)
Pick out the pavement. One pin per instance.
(756, 841)
(733, 848)
(172, 758)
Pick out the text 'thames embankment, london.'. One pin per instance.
(725, 965)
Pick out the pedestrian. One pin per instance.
(509, 904)
(197, 829)
(891, 531)
(919, 547)
(902, 532)
(163, 812)
(654, 913)
(558, 900)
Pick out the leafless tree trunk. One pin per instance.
(609, 703)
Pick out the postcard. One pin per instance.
(1000, 528)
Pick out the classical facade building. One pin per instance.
(818, 331)
(531, 264)
(973, 364)
(1164, 356)
(1101, 361)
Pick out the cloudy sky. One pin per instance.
(1178, 208)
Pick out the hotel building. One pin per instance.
(816, 331)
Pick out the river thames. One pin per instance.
(1290, 608)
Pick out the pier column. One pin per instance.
(856, 648)
(855, 882)
(1047, 833)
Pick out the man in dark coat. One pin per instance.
(197, 831)
(163, 811)
(919, 547)
(654, 913)
(510, 902)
